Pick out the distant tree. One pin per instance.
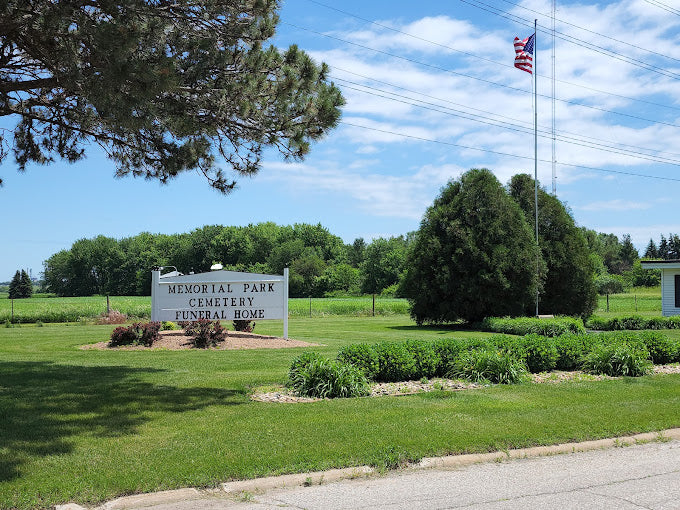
(639, 277)
(356, 251)
(383, 264)
(474, 255)
(652, 251)
(26, 285)
(569, 288)
(162, 87)
(663, 248)
(15, 286)
(628, 253)
(674, 247)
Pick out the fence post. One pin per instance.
(310, 307)
(636, 303)
(108, 306)
(374, 305)
(12, 310)
(607, 302)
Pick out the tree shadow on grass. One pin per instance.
(443, 329)
(43, 405)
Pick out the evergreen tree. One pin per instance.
(569, 287)
(474, 255)
(163, 87)
(663, 248)
(26, 285)
(15, 286)
(651, 252)
(628, 253)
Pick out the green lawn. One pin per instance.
(86, 425)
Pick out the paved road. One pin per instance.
(645, 476)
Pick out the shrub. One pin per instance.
(424, 357)
(169, 326)
(395, 362)
(526, 325)
(661, 349)
(135, 334)
(488, 365)
(204, 333)
(312, 375)
(244, 326)
(362, 356)
(617, 359)
(633, 322)
(570, 350)
(448, 349)
(539, 353)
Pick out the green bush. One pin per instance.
(395, 362)
(424, 357)
(538, 352)
(633, 322)
(661, 349)
(526, 325)
(169, 326)
(316, 376)
(617, 359)
(488, 365)
(362, 356)
(571, 349)
(448, 349)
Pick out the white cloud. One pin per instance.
(615, 205)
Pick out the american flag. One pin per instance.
(524, 53)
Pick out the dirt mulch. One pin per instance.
(176, 341)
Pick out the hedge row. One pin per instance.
(499, 359)
(527, 325)
(633, 322)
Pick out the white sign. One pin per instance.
(219, 295)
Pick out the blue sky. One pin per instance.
(431, 92)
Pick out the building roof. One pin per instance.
(661, 264)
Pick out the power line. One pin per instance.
(581, 142)
(490, 82)
(420, 138)
(579, 42)
(637, 47)
(663, 6)
(496, 62)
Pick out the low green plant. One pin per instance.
(617, 359)
(661, 349)
(8, 324)
(39, 324)
(571, 349)
(244, 326)
(395, 362)
(169, 326)
(448, 349)
(320, 377)
(633, 322)
(424, 357)
(525, 325)
(538, 352)
(362, 356)
(488, 365)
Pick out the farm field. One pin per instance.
(73, 309)
(640, 301)
(89, 425)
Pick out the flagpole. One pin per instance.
(536, 159)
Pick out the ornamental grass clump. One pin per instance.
(448, 349)
(525, 325)
(488, 365)
(617, 359)
(312, 375)
(204, 333)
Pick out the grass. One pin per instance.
(645, 301)
(86, 425)
(73, 309)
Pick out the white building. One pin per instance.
(670, 284)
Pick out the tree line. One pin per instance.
(466, 241)
(320, 263)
